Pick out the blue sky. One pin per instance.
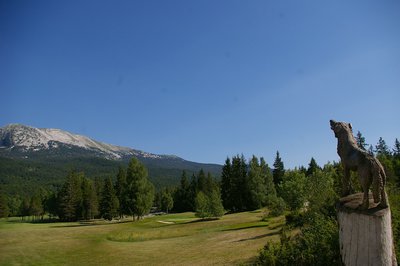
(204, 79)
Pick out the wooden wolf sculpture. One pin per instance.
(370, 170)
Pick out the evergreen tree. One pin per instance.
(193, 191)
(361, 141)
(4, 210)
(182, 196)
(120, 187)
(266, 173)
(109, 202)
(70, 198)
(279, 169)
(255, 186)
(226, 184)
(36, 206)
(215, 204)
(312, 167)
(90, 203)
(210, 184)
(381, 148)
(140, 192)
(396, 150)
(51, 205)
(201, 182)
(25, 208)
(371, 150)
(201, 205)
(238, 193)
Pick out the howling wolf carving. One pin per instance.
(370, 170)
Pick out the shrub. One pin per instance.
(317, 244)
(277, 206)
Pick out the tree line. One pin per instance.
(244, 185)
(81, 198)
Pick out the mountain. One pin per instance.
(32, 157)
(21, 139)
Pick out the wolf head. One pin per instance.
(340, 127)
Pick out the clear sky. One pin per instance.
(204, 79)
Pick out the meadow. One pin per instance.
(172, 239)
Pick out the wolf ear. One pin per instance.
(350, 126)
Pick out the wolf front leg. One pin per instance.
(346, 182)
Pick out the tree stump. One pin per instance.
(365, 236)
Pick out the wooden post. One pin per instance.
(365, 235)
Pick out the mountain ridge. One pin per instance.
(30, 138)
(32, 157)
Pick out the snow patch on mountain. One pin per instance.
(36, 139)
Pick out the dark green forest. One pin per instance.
(24, 176)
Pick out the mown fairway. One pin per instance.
(163, 240)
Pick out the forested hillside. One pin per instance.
(25, 176)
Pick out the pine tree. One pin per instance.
(226, 184)
(140, 192)
(216, 209)
(182, 196)
(70, 198)
(381, 148)
(268, 178)
(193, 191)
(36, 206)
(210, 184)
(109, 202)
(90, 203)
(371, 150)
(312, 167)
(279, 169)
(255, 186)
(238, 193)
(396, 149)
(120, 187)
(24, 209)
(4, 210)
(201, 205)
(201, 182)
(51, 205)
(361, 141)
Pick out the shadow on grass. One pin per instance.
(32, 221)
(89, 223)
(201, 220)
(260, 236)
(246, 227)
(72, 225)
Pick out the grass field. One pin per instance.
(161, 240)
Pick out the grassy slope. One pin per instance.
(169, 239)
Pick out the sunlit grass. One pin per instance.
(168, 239)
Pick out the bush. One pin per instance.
(276, 206)
(317, 244)
(295, 219)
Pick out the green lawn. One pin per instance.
(161, 240)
